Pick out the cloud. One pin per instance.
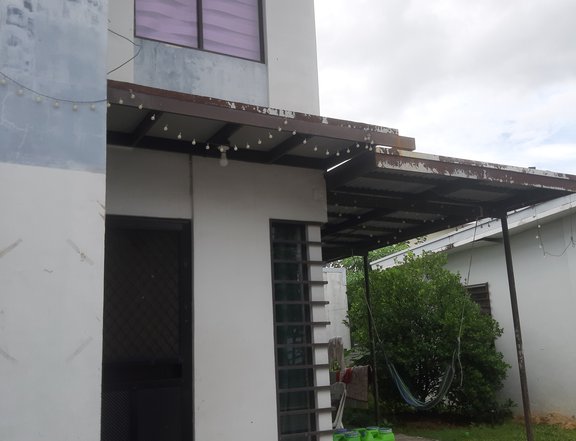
(486, 80)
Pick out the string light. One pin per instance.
(75, 105)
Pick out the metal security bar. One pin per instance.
(147, 371)
(295, 324)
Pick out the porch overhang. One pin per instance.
(379, 191)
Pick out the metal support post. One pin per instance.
(371, 336)
(517, 330)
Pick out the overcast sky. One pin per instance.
(492, 80)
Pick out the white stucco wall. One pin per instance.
(231, 208)
(337, 309)
(233, 327)
(291, 55)
(51, 278)
(546, 289)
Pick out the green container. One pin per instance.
(338, 434)
(385, 434)
(372, 433)
(362, 432)
(352, 435)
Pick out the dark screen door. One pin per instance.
(147, 341)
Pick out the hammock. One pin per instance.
(410, 399)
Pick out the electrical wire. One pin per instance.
(67, 100)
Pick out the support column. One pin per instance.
(517, 330)
(371, 336)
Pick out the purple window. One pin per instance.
(230, 27)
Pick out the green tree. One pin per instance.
(420, 312)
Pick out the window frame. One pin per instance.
(200, 30)
(306, 301)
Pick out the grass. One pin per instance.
(511, 431)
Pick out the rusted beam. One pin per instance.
(144, 127)
(285, 147)
(354, 168)
(223, 135)
(256, 116)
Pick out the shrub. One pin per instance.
(419, 310)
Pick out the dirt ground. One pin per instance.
(556, 419)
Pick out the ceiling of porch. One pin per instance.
(379, 191)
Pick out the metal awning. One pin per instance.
(380, 192)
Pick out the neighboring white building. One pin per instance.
(337, 307)
(164, 225)
(543, 240)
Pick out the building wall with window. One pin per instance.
(544, 256)
(231, 209)
(283, 75)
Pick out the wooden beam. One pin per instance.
(145, 125)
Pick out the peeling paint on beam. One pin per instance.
(256, 116)
(413, 162)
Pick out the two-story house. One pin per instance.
(169, 194)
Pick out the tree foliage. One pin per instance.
(420, 311)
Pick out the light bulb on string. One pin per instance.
(223, 158)
(259, 141)
(120, 101)
(270, 135)
(19, 92)
(304, 141)
(92, 106)
(153, 117)
(140, 106)
(166, 127)
(247, 146)
(207, 146)
(55, 104)
(179, 135)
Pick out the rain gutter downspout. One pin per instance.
(517, 330)
(371, 336)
